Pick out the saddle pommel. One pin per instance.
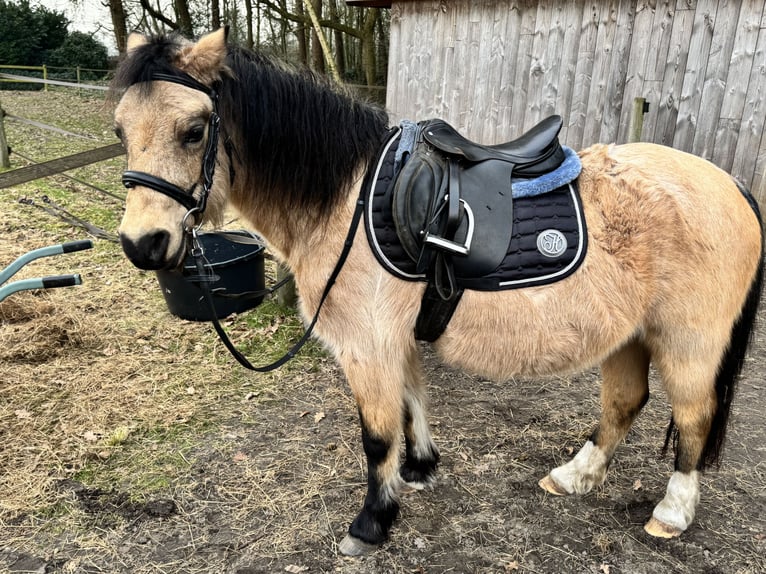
(536, 152)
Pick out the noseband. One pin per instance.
(185, 197)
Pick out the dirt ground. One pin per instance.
(273, 484)
(131, 443)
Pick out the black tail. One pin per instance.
(731, 362)
(734, 357)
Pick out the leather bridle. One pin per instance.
(195, 206)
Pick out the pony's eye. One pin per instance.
(194, 135)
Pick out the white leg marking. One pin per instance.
(677, 508)
(586, 470)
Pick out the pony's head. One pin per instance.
(292, 144)
(167, 119)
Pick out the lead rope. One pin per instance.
(198, 253)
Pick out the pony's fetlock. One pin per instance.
(676, 511)
(419, 472)
(373, 523)
(585, 471)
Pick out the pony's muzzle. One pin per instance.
(150, 251)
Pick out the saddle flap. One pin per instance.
(420, 204)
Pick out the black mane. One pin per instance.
(300, 138)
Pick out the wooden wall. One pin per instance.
(495, 68)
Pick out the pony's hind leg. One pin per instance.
(691, 389)
(421, 454)
(624, 392)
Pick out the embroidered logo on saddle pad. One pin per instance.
(547, 237)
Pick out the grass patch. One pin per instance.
(99, 384)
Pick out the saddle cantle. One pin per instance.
(460, 215)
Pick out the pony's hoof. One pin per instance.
(352, 546)
(660, 529)
(407, 488)
(550, 485)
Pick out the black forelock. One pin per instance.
(142, 63)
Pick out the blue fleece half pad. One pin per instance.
(567, 172)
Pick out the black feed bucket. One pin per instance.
(237, 270)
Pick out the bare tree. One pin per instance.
(119, 22)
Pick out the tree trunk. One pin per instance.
(184, 17)
(117, 11)
(317, 57)
(215, 14)
(340, 51)
(300, 33)
(249, 22)
(368, 46)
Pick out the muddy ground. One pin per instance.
(130, 443)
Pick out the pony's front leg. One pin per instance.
(421, 454)
(379, 394)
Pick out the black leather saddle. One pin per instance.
(452, 202)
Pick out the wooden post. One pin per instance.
(5, 161)
(45, 77)
(640, 107)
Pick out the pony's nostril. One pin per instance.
(150, 252)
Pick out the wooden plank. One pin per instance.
(742, 58)
(522, 69)
(411, 81)
(578, 117)
(635, 71)
(662, 27)
(477, 101)
(58, 165)
(653, 95)
(537, 64)
(722, 44)
(746, 164)
(395, 51)
(659, 47)
(567, 71)
(615, 82)
(553, 79)
(498, 46)
(460, 75)
(601, 63)
(758, 185)
(673, 78)
(739, 128)
(510, 28)
(694, 75)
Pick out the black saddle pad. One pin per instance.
(547, 244)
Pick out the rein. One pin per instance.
(196, 207)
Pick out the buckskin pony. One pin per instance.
(672, 274)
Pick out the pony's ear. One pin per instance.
(135, 40)
(205, 58)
